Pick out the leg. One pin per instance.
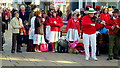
(19, 44)
(117, 47)
(111, 45)
(93, 46)
(86, 45)
(14, 38)
(53, 47)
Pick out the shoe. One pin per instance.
(95, 59)
(117, 58)
(86, 59)
(13, 51)
(53, 51)
(19, 51)
(109, 58)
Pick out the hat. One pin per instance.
(91, 10)
(16, 12)
(115, 11)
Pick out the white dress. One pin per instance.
(72, 35)
(32, 28)
(48, 32)
(54, 36)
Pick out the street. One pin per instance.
(47, 58)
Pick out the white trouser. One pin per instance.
(89, 40)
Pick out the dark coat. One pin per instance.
(25, 16)
(39, 26)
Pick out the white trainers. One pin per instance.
(86, 58)
(95, 59)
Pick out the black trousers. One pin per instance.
(16, 42)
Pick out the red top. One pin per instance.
(112, 23)
(105, 16)
(58, 25)
(73, 25)
(47, 21)
(87, 27)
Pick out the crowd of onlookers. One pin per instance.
(40, 30)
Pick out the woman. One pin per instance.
(73, 28)
(105, 16)
(39, 32)
(56, 23)
(16, 24)
(46, 21)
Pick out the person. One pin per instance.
(73, 29)
(114, 39)
(105, 16)
(33, 10)
(24, 15)
(46, 21)
(39, 32)
(27, 31)
(16, 24)
(89, 33)
(56, 23)
(50, 12)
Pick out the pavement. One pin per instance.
(47, 58)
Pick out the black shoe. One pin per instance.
(13, 51)
(117, 58)
(109, 58)
(19, 51)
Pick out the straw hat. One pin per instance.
(91, 10)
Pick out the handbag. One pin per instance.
(22, 31)
(44, 47)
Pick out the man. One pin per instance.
(114, 39)
(89, 33)
(16, 24)
(24, 15)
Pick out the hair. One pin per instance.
(105, 9)
(37, 13)
(53, 13)
(34, 7)
(22, 6)
(25, 21)
(16, 12)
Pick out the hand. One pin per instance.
(117, 26)
(113, 27)
(92, 24)
(43, 19)
(103, 22)
(55, 22)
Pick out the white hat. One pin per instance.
(91, 10)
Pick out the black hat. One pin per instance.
(116, 11)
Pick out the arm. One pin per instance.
(109, 25)
(68, 24)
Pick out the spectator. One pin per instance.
(16, 24)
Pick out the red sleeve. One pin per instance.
(78, 27)
(85, 22)
(98, 26)
(109, 24)
(60, 22)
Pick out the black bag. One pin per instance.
(63, 46)
(30, 46)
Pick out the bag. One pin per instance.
(103, 30)
(30, 46)
(74, 44)
(44, 47)
(22, 31)
(61, 49)
(73, 51)
(63, 43)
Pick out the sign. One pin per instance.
(59, 2)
